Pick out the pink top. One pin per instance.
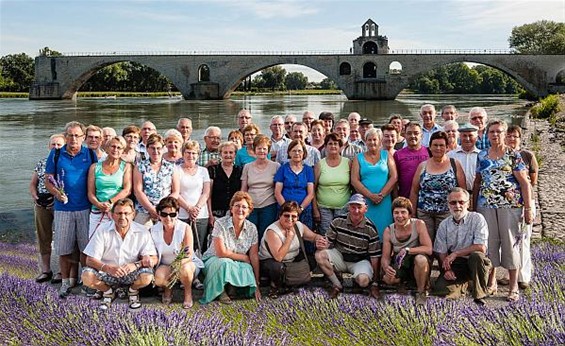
(407, 161)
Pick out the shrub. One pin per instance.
(546, 107)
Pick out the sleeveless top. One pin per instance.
(434, 189)
(168, 252)
(108, 185)
(294, 248)
(412, 241)
(156, 185)
(333, 185)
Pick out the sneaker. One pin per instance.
(134, 302)
(65, 290)
(107, 299)
(87, 291)
(421, 298)
(197, 284)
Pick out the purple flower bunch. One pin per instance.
(59, 185)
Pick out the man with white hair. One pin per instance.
(461, 244)
(479, 118)
(244, 118)
(429, 125)
(449, 112)
(184, 126)
(347, 150)
(210, 155)
(353, 119)
(289, 120)
(277, 135)
(107, 133)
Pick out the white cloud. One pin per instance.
(277, 9)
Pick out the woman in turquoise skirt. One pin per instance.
(373, 174)
(233, 257)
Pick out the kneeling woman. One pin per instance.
(232, 259)
(406, 247)
(282, 255)
(172, 236)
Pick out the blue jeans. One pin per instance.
(263, 218)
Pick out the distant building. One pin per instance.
(370, 42)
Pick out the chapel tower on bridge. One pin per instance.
(370, 42)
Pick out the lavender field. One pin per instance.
(32, 314)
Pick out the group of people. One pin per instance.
(378, 203)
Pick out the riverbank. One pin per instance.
(548, 141)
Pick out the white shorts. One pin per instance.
(355, 268)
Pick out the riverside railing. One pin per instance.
(297, 52)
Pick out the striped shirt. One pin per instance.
(356, 243)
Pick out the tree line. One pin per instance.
(542, 37)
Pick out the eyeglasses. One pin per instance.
(241, 206)
(458, 202)
(93, 137)
(117, 147)
(122, 214)
(171, 215)
(70, 135)
(290, 216)
(214, 138)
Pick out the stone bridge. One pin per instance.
(359, 76)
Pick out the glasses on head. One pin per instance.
(71, 135)
(290, 216)
(457, 202)
(171, 215)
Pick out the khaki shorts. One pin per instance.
(355, 268)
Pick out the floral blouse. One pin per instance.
(223, 228)
(156, 185)
(434, 189)
(499, 187)
(40, 170)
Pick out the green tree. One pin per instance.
(296, 81)
(492, 82)
(48, 52)
(541, 37)
(328, 84)
(17, 72)
(274, 77)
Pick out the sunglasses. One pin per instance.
(172, 215)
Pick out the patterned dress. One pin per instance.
(156, 185)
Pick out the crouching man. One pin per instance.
(461, 244)
(120, 255)
(353, 246)
(406, 247)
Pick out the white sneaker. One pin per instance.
(65, 290)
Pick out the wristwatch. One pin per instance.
(138, 264)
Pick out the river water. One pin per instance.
(25, 126)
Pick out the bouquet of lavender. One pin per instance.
(59, 185)
(399, 258)
(176, 266)
(522, 232)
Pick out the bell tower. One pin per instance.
(370, 42)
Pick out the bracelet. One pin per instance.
(102, 268)
(527, 208)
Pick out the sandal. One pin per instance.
(134, 302)
(224, 298)
(43, 277)
(187, 305)
(491, 290)
(513, 296)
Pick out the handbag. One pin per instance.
(45, 200)
(298, 271)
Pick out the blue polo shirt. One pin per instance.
(73, 170)
(294, 185)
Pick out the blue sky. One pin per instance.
(177, 26)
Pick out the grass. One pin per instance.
(38, 317)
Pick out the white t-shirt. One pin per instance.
(191, 187)
(107, 245)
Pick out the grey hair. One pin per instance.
(212, 128)
(479, 110)
(500, 122)
(458, 189)
(374, 132)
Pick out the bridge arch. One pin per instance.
(369, 70)
(239, 76)
(203, 73)
(81, 75)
